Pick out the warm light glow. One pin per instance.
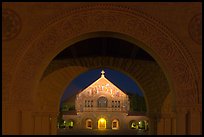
(102, 120)
(101, 123)
(102, 73)
(133, 125)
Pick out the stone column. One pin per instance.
(27, 124)
(181, 122)
(37, 124)
(4, 125)
(173, 128)
(45, 123)
(152, 124)
(53, 123)
(160, 126)
(12, 117)
(195, 119)
(19, 119)
(167, 126)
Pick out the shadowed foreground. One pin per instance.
(100, 132)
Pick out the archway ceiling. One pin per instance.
(104, 46)
(99, 47)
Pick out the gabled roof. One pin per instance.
(104, 80)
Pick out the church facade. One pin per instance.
(102, 105)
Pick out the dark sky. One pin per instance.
(119, 79)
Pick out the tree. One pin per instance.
(67, 107)
(60, 121)
(137, 103)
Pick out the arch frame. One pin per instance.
(84, 22)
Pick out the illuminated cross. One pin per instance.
(102, 73)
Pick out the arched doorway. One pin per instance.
(102, 123)
(49, 44)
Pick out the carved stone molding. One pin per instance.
(195, 28)
(106, 17)
(11, 24)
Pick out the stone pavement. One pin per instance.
(99, 132)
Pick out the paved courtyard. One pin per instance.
(100, 132)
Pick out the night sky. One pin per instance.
(119, 79)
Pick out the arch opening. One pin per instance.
(107, 50)
(138, 56)
(102, 123)
(47, 40)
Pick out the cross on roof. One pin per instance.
(102, 73)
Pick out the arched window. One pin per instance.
(102, 102)
(89, 123)
(115, 124)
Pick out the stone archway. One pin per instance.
(85, 22)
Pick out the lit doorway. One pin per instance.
(101, 123)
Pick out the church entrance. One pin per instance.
(101, 123)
